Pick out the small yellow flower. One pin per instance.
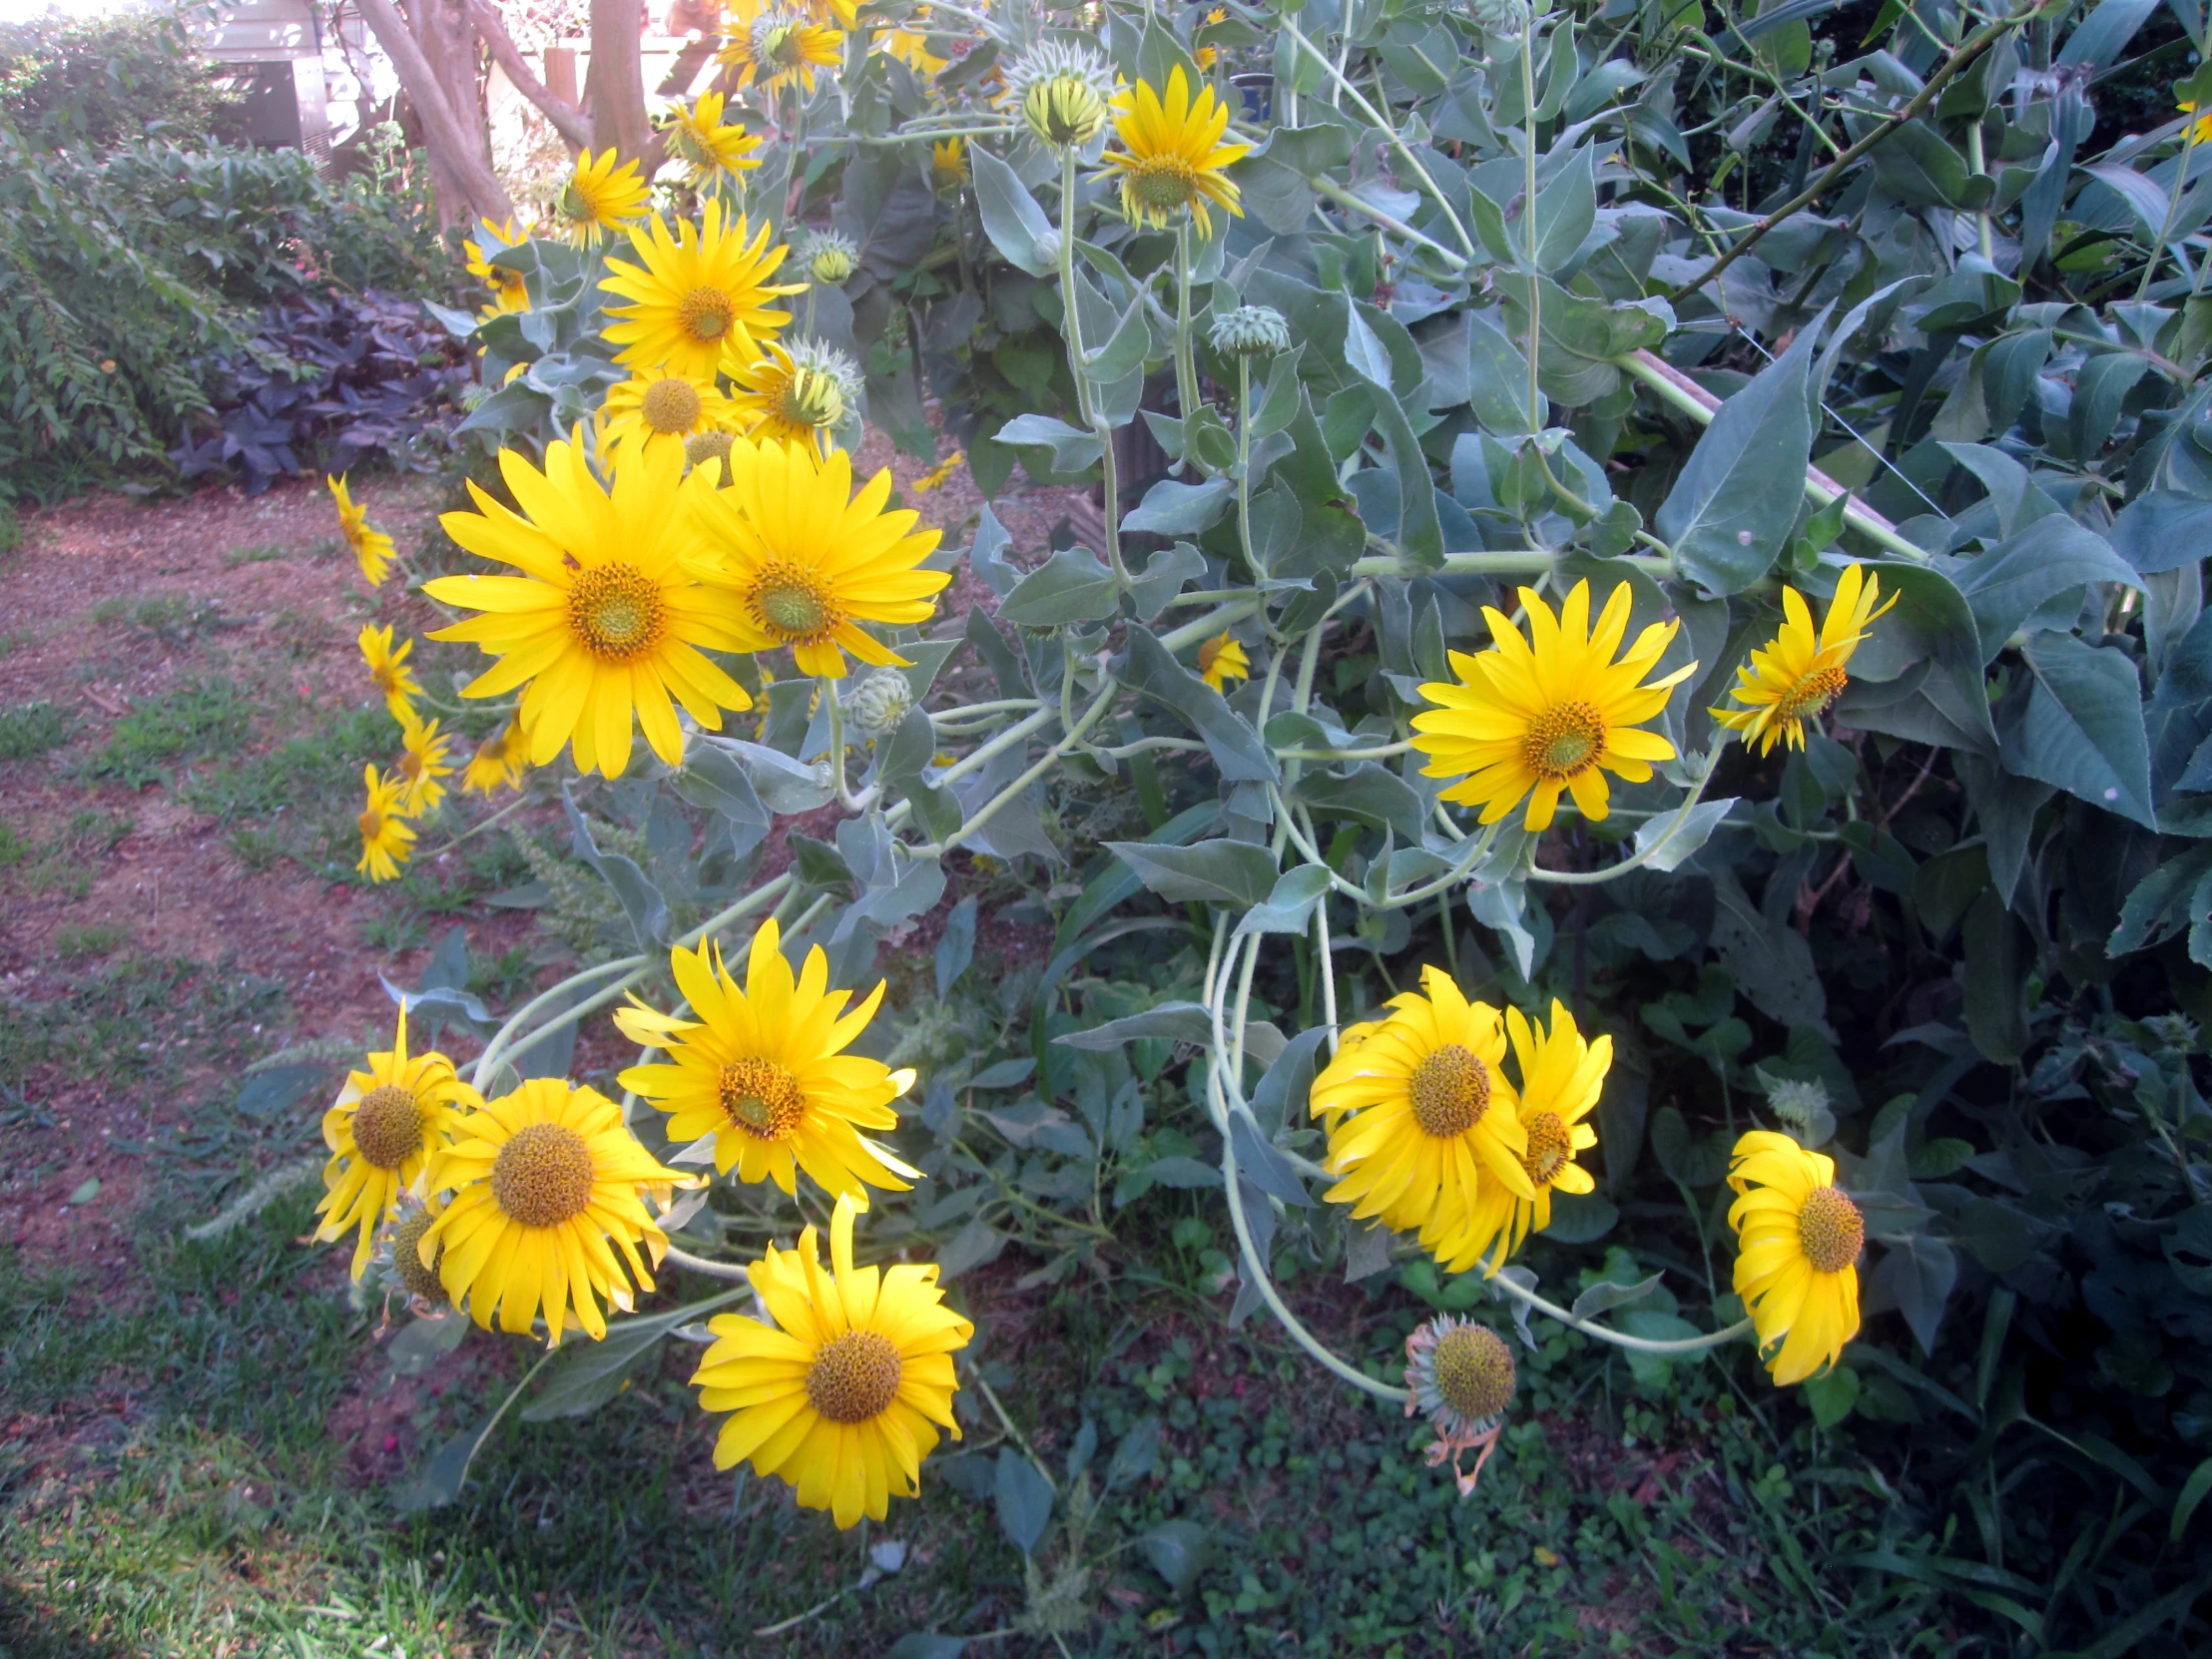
(1175, 158)
(510, 291)
(425, 759)
(1208, 56)
(373, 548)
(1562, 1076)
(389, 669)
(711, 147)
(776, 48)
(659, 406)
(500, 759)
(387, 839)
(1221, 660)
(1799, 673)
(941, 475)
(1798, 1241)
(600, 198)
(949, 165)
(2200, 129)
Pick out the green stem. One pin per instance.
(1591, 878)
(1536, 410)
(1244, 466)
(1186, 358)
(1620, 1339)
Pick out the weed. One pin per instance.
(73, 944)
(394, 932)
(28, 729)
(13, 847)
(200, 717)
(175, 619)
(13, 640)
(321, 770)
(503, 979)
(95, 829)
(255, 555)
(257, 850)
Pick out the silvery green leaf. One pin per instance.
(1677, 837)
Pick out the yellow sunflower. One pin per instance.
(500, 759)
(425, 757)
(657, 407)
(389, 669)
(599, 199)
(1221, 660)
(388, 839)
(941, 475)
(509, 291)
(912, 48)
(1175, 157)
(1530, 722)
(949, 165)
(546, 1182)
(373, 548)
(1562, 1074)
(711, 147)
(605, 622)
(381, 1131)
(762, 1069)
(1797, 1264)
(807, 565)
(775, 47)
(843, 1396)
(2200, 130)
(1799, 672)
(796, 396)
(699, 292)
(1422, 1122)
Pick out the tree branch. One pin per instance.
(567, 119)
(449, 140)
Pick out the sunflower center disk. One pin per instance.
(1563, 741)
(543, 1176)
(1548, 1147)
(1164, 185)
(1812, 693)
(794, 604)
(1474, 1371)
(706, 313)
(671, 406)
(406, 1256)
(762, 1098)
(1831, 1228)
(387, 1125)
(372, 826)
(411, 766)
(615, 611)
(1450, 1091)
(855, 1377)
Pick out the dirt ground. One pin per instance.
(268, 587)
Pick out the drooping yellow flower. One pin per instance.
(795, 396)
(425, 759)
(389, 669)
(546, 1184)
(658, 407)
(1221, 660)
(1563, 1075)
(949, 165)
(600, 198)
(381, 1131)
(711, 147)
(698, 293)
(843, 1396)
(1173, 155)
(763, 1069)
(1530, 723)
(373, 548)
(510, 291)
(941, 475)
(912, 48)
(388, 839)
(1422, 1122)
(2200, 130)
(1799, 673)
(774, 47)
(808, 565)
(1797, 1243)
(605, 623)
(500, 759)
(1208, 56)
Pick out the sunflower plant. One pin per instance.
(1541, 641)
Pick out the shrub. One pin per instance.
(90, 84)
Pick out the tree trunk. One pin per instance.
(556, 103)
(614, 87)
(438, 63)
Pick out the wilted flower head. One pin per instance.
(1461, 1377)
(1250, 331)
(1063, 91)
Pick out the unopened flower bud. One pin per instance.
(878, 703)
(1250, 331)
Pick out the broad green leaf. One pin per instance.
(1678, 842)
(1370, 794)
(1567, 210)
(1071, 586)
(1187, 1022)
(1731, 510)
(1011, 217)
(1172, 509)
(1230, 739)
(1025, 1499)
(1771, 964)
(2162, 530)
(2082, 728)
(1072, 450)
(2049, 559)
(1214, 871)
(1289, 904)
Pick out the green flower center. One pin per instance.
(543, 1175)
(1831, 1230)
(795, 605)
(1450, 1091)
(1164, 185)
(388, 1124)
(762, 1098)
(855, 1377)
(811, 400)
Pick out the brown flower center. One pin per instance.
(1812, 693)
(855, 1377)
(1548, 1147)
(373, 825)
(410, 765)
(1563, 741)
(794, 604)
(1831, 1230)
(387, 1125)
(616, 612)
(762, 1098)
(671, 406)
(706, 313)
(406, 1256)
(543, 1175)
(1474, 1371)
(1450, 1091)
